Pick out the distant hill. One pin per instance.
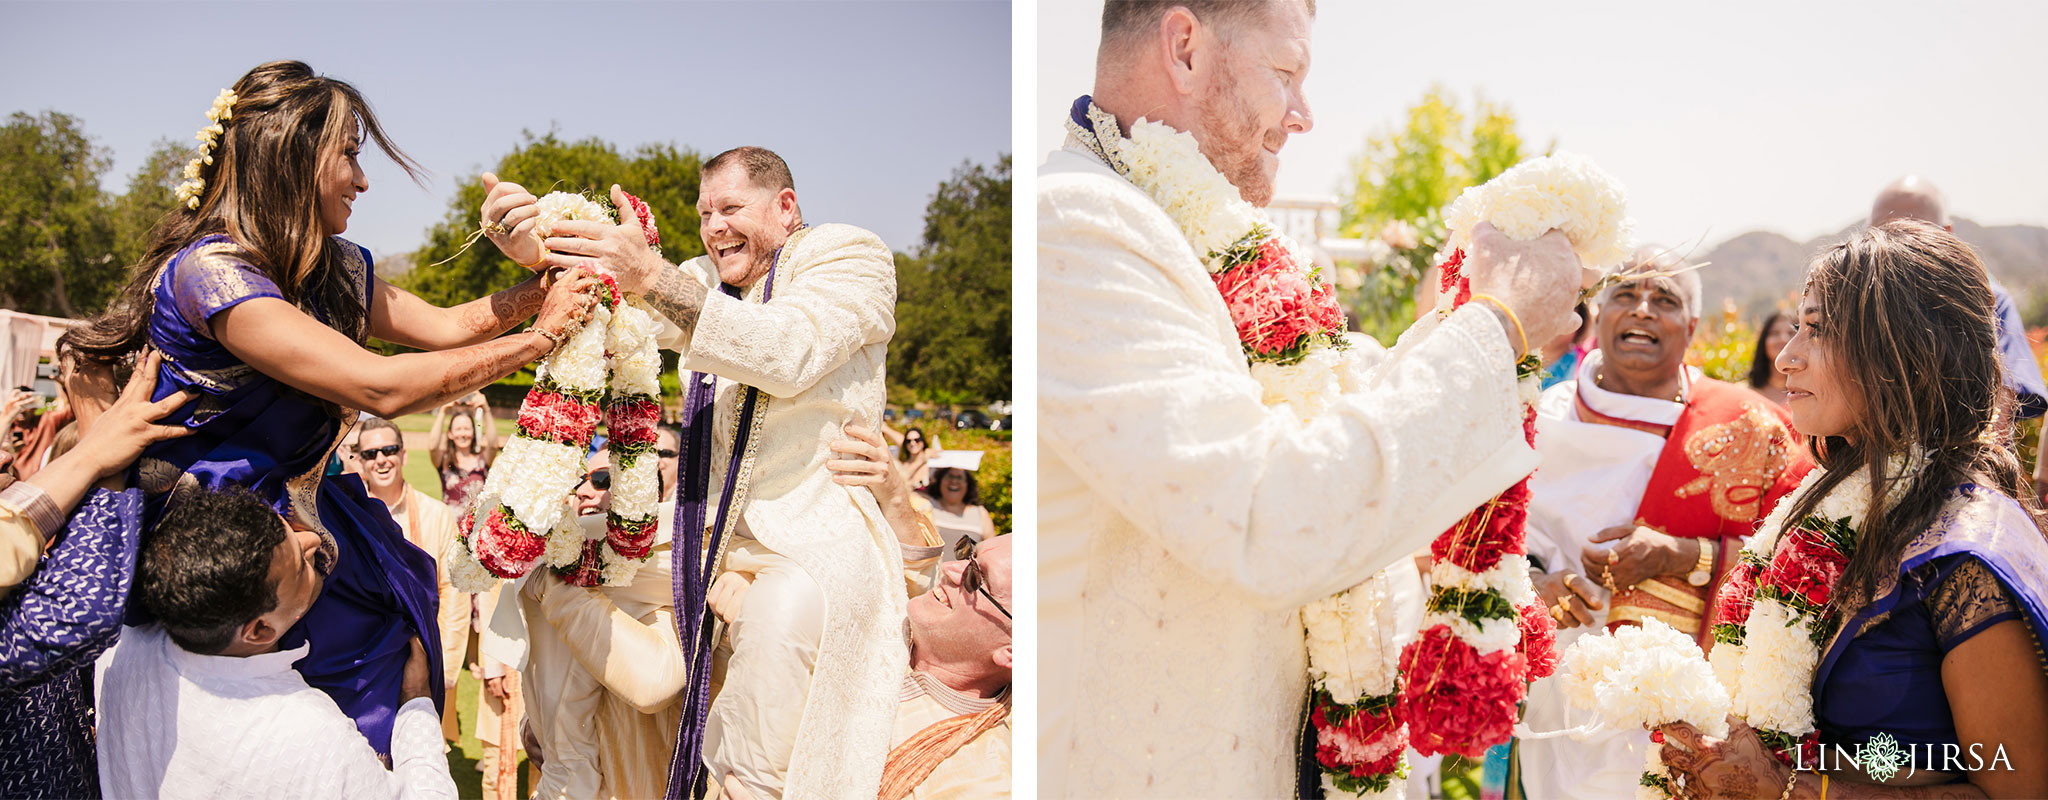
(1760, 268)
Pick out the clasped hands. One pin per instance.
(510, 215)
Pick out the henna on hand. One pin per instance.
(677, 297)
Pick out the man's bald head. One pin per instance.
(1910, 197)
(1126, 22)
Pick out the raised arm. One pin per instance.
(642, 661)
(284, 343)
(1145, 399)
(401, 317)
(435, 451)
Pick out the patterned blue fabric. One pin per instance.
(250, 430)
(51, 629)
(2022, 373)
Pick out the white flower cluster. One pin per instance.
(1563, 191)
(1169, 165)
(1307, 387)
(1488, 636)
(636, 371)
(209, 137)
(1510, 576)
(465, 572)
(1351, 652)
(1645, 675)
(557, 207)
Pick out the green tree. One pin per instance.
(661, 174)
(150, 196)
(53, 224)
(1409, 173)
(952, 340)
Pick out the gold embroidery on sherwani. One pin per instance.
(1636, 614)
(1738, 460)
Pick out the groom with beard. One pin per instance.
(1183, 520)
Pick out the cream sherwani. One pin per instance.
(1183, 522)
(430, 525)
(1593, 478)
(603, 684)
(818, 648)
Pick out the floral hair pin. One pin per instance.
(223, 110)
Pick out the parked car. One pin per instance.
(971, 419)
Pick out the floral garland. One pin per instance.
(1775, 610)
(1484, 638)
(608, 371)
(223, 110)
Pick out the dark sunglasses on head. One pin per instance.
(972, 579)
(601, 479)
(373, 452)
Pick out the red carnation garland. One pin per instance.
(1453, 699)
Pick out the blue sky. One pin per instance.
(1720, 117)
(872, 103)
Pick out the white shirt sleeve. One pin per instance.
(1146, 402)
(419, 769)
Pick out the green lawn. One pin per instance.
(463, 756)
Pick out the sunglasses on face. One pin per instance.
(665, 453)
(373, 452)
(973, 579)
(601, 480)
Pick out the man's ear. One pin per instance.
(1692, 328)
(257, 633)
(785, 205)
(1182, 38)
(1004, 657)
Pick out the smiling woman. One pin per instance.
(261, 310)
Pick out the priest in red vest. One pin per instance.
(1652, 476)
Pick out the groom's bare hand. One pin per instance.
(621, 248)
(1538, 280)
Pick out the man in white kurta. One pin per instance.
(1182, 521)
(818, 653)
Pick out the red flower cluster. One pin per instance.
(588, 569)
(504, 546)
(631, 423)
(1477, 542)
(1453, 278)
(555, 417)
(1539, 641)
(1737, 593)
(1364, 745)
(631, 538)
(646, 217)
(1456, 700)
(1273, 303)
(1806, 566)
(1323, 309)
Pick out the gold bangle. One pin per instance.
(555, 340)
(1511, 318)
(536, 262)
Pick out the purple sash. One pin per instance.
(687, 777)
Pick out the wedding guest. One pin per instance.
(1652, 473)
(605, 671)
(205, 703)
(64, 582)
(956, 500)
(952, 736)
(914, 457)
(430, 526)
(1764, 376)
(1915, 197)
(1942, 606)
(464, 442)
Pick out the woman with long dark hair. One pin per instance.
(1939, 611)
(262, 309)
(464, 443)
(1764, 376)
